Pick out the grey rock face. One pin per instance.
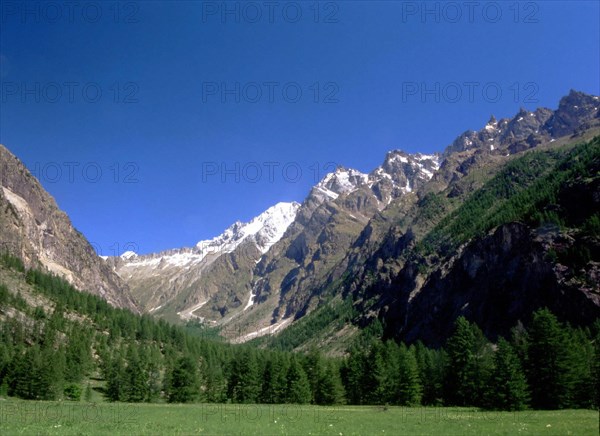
(33, 228)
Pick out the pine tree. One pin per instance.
(352, 376)
(25, 381)
(375, 378)
(115, 379)
(329, 388)
(313, 368)
(581, 375)
(216, 384)
(432, 364)
(519, 340)
(153, 375)
(280, 384)
(5, 358)
(470, 362)
(244, 384)
(298, 387)
(508, 387)
(409, 388)
(135, 386)
(184, 381)
(78, 355)
(483, 366)
(271, 392)
(548, 362)
(392, 373)
(51, 373)
(4, 388)
(460, 348)
(596, 385)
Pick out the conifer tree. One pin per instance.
(115, 379)
(153, 368)
(431, 364)
(274, 381)
(409, 388)
(330, 389)
(313, 368)
(51, 372)
(581, 368)
(375, 376)
(353, 375)
(459, 377)
(78, 355)
(548, 362)
(25, 376)
(135, 379)
(244, 381)
(298, 387)
(392, 373)
(508, 387)
(184, 381)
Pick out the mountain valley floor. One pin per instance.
(92, 418)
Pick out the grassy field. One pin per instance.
(60, 418)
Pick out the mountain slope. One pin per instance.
(33, 228)
(351, 231)
(354, 234)
(503, 221)
(177, 283)
(382, 272)
(528, 238)
(247, 284)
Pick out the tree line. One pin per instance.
(49, 353)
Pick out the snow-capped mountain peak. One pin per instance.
(267, 228)
(399, 165)
(492, 124)
(400, 173)
(341, 181)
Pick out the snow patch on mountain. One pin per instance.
(265, 331)
(250, 300)
(188, 313)
(128, 255)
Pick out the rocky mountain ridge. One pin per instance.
(218, 285)
(392, 230)
(33, 228)
(353, 237)
(158, 278)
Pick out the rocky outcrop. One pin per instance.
(33, 228)
(574, 110)
(528, 129)
(496, 282)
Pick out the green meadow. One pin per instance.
(66, 418)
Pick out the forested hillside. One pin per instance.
(57, 342)
(527, 238)
(478, 289)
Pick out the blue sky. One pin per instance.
(139, 116)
